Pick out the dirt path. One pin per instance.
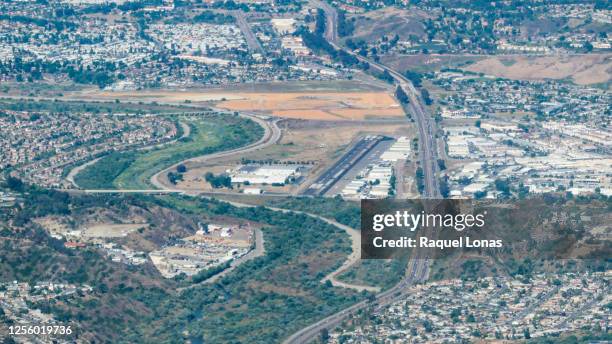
(355, 255)
(354, 235)
(350, 261)
(271, 136)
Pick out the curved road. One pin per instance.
(72, 174)
(418, 266)
(425, 125)
(353, 234)
(272, 135)
(77, 169)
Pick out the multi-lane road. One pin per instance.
(425, 126)
(331, 22)
(418, 266)
(244, 26)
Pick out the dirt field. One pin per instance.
(327, 106)
(167, 96)
(373, 25)
(53, 225)
(112, 230)
(303, 141)
(315, 104)
(582, 69)
(428, 62)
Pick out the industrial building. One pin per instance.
(373, 182)
(400, 150)
(265, 174)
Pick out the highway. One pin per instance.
(417, 272)
(418, 265)
(331, 19)
(425, 124)
(426, 127)
(251, 40)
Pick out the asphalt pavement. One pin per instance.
(418, 266)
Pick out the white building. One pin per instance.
(398, 151)
(284, 26)
(266, 174)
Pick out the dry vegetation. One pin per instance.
(428, 62)
(319, 142)
(168, 96)
(307, 103)
(330, 106)
(582, 69)
(389, 21)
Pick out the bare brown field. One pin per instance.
(372, 25)
(112, 230)
(327, 106)
(428, 62)
(165, 96)
(319, 143)
(582, 69)
(309, 104)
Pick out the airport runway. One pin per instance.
(418, 266)
(371, 157)
(343, 165)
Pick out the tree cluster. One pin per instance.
(218, 181)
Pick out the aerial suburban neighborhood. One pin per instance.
(305, 171)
